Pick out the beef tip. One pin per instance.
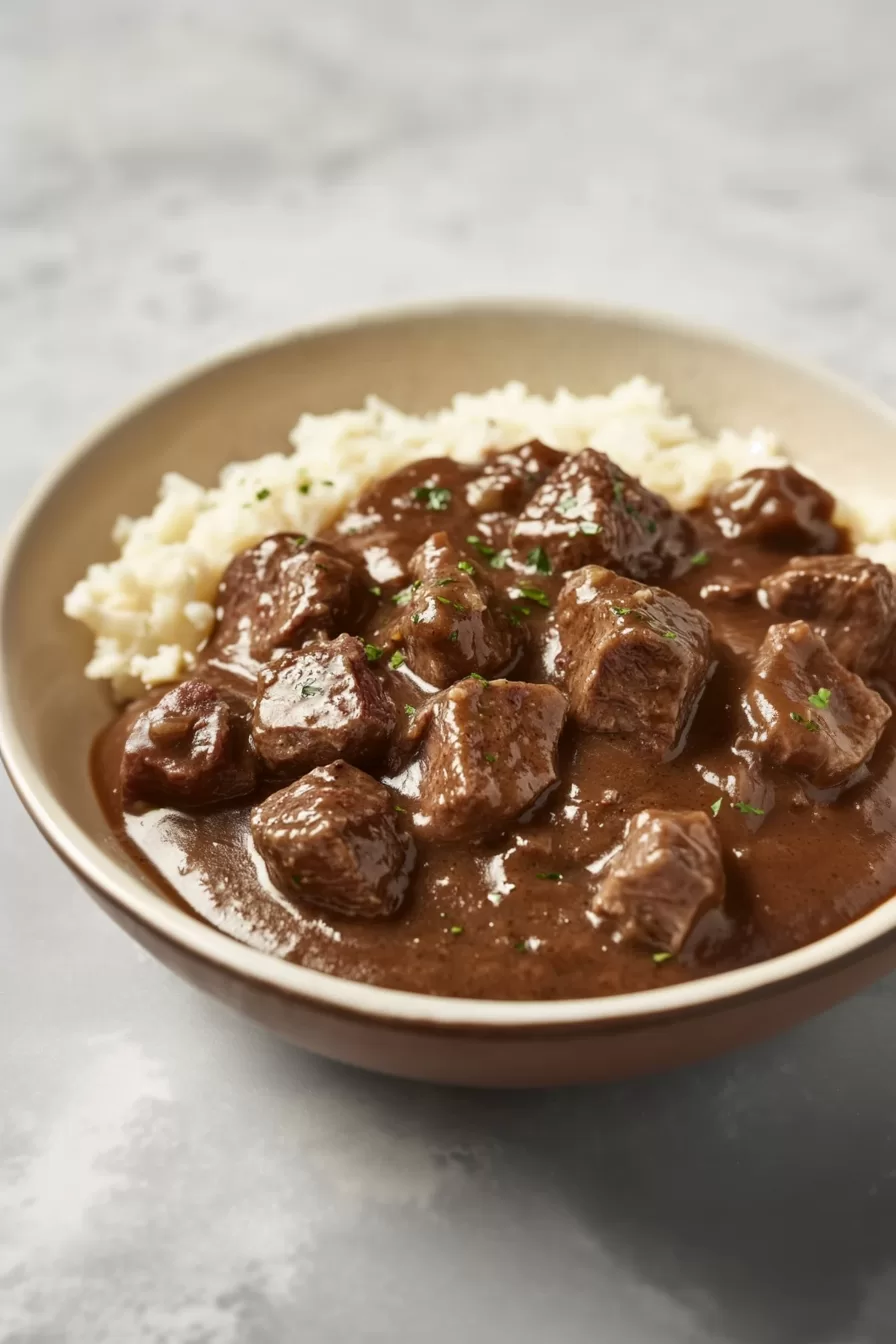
(510, 479)
(633, 660)
(454, 622)
(667, 874)
(589, 511)
(850, 601)
(776, 507)
(394, 516)
(320, 704)
(807, 712)
(333, 839)
(278, 594)
(489, 752)
(191, 749)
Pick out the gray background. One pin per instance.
(181, 176)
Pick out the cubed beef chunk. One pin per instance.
(779, 508)
(589, 511)
(850, 601)
(489, 752)
(320, 704)
(667, 874)
(396, 515)
(807, 712)
(633, 660)
(333, 839)
(192, 748)
(510, 479)
(454, 622)
(278, 594)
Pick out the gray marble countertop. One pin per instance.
(181, 177)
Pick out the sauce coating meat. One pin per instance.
(519, 730)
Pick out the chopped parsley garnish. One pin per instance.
(589, 529)
(304, 487)
(416, 618)
(482, 547)
(499, 561)
(453, 636)
(403, 598)
(299, 539)
(309, 689)
(716, 807)
(373, 652)
(807, 723)
(399, 808)
(520, 947)
(397, 659)
(326, 482)
(444, 583)
(536, 595)
(550, 877)
(618, 489)
(263, 493)
(435, 497)
(446, 602)
(297, 879)
(621, 611)
(456, 929)
(568, 504)
(377, 590)
(821, 699)
(410, 711)
(466, 566)
(669, 634)
(477, 676)
(660, 957)
(490, 757)
(701, 558)
(649, 523)
(539, 560)
(749, 811)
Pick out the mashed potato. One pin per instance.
(151, 609)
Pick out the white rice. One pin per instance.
(151, 609)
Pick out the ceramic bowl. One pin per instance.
(243, 406)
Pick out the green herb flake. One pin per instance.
(621, 611)
(297, 879)
(410, 711)
(466, 567)
(435, 497)
(660, 957)
(520, 947)
(716, 807)
(649, 523)
(550, 877)
(750, 811)
(403, 598)
(373, 652)
(490, 757)
(263, 493)
(456, 929)
(590, 529)
(329, 483)
(701, 558)
(443, 583)
(808, 724)
(477, 676)
(499, 561)
(669, 634)
(536, 595)
(539, 560)
(397, 659)
(304, 487)
(453, 636)
(821, 699)
(482, 547)
(416, 618)
(399, 808)
(618, 490)
(568, 504)
(309, 689)
(377, 590)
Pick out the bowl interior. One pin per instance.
(245, 406)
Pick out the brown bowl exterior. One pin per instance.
(244, 406)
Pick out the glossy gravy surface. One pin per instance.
(507, 918)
